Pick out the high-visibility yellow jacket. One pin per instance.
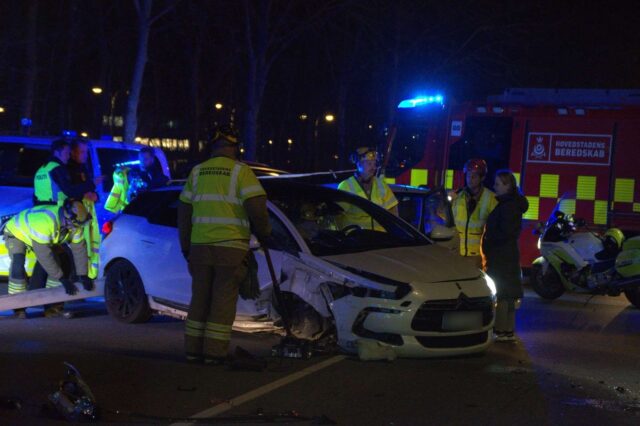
(93, 239)
(217, 189)
(117, 199)
(381, 195)
(470, 228)
(45, 189)
(42, 225)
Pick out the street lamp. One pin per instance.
(96, 90)
(218, 106)
(84, 134)
(1, 110)
(329, 118)
(303, 117)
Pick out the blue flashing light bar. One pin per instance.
(70, 133)
(423, 100)
(127, 163)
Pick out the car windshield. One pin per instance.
(335, 222)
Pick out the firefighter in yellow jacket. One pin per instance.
(366, 184)
(220, 200)
(41, 229)
(471, 207)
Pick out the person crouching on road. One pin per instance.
(220, 200)
(500, 247)
(42, 229)
(471, 206)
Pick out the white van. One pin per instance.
(20, 158)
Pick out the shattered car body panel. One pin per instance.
(394, 286)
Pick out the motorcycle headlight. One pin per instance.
(491, 284)
(539, 243)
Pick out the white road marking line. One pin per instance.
(263, 390)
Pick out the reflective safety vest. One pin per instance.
(92, 237)
(381, 195)
(45, 190)
(41, 225)
(117, 199)
(217, 189)
(470, 228)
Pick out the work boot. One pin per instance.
(20, 313)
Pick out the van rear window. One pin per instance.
(19, 163)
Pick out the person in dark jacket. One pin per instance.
(151, 170)
(500, 250)
(79, 172)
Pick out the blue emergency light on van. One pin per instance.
(422, 100)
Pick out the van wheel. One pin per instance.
(124, 294)
(547, 285)
(633, 295)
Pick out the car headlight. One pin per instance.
(491, 284)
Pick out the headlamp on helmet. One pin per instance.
(476, 165)
(76, 213)
(365, 153)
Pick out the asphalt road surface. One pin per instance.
(575, 363)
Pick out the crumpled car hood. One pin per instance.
(425, 264)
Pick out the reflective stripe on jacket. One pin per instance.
(41, 225)
(470, 229)
(117, 199)
(381, 195)
(45, 189)
(217, 190)
(92, 237)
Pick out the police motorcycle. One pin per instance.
(584, 261)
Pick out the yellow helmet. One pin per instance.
(75, 212)
(615, 235)
(227, 134)
(364, 153)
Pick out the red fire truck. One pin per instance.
(581, 143)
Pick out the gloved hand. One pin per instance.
(87, 282)
(69, 287)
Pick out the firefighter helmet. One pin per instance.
(227, 134)
(364, 153)
(614, 235)
(75, 212)
(476, 165)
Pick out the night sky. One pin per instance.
(354, 59)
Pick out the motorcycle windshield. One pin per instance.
(566, 206)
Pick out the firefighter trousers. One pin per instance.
(17, 275)
(216, 274)
(505, 315)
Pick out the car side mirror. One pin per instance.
(441, 233)
(254, 244)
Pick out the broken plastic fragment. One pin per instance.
(73, 400)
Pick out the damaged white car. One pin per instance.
(389, 284)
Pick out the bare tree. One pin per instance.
(268, 32)
(145, 21)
